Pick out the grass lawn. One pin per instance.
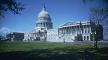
(27, 46)
(50, 51)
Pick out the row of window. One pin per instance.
(70, 31)
(43, 24)
(76, 27)
(52, 36)
(86, 37)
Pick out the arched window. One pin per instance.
(84, 38)
(87, 37)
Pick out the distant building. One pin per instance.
(68, 32)
(2, 38)
(15, 36)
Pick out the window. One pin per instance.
(88, 31)
(85, 31)
(82, 31)
(84, 37)
(87, 37)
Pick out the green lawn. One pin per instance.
(51, 51)
(27, 46)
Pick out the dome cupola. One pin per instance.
(44, 15)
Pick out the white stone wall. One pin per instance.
(66, 32)
(70, 30)
(52, 36)
(27, 36)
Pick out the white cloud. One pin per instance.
(4, 30)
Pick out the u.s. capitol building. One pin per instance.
(68, 32)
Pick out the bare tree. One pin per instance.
(99, 13)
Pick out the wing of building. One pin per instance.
(80, 31)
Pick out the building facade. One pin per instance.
(68, 32)
(43, 23)
(15, 36)
(80, 31)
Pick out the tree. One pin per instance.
(99, 13)
(10, 5)
(79, 37)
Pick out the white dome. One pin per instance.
(43, 13)
(43, 20)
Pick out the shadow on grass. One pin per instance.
(57, 54)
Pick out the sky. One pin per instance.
(60, 11)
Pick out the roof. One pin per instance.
(75, 23)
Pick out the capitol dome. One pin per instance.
(43, 14)
(44, 20)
